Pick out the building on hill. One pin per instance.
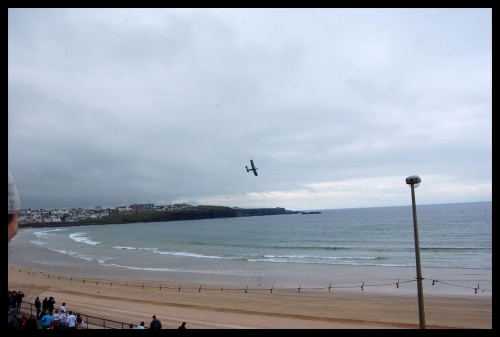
(142, 207)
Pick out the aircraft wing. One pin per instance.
(253, 167)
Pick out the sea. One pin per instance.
(355, 249)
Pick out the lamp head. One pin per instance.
(413, 180)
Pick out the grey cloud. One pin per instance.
(117, 106)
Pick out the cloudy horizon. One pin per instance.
(112, 107)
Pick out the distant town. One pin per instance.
(31, 216)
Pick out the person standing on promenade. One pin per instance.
(44, 305)
(22, 321)
(56, 319)
(13, 302)
(38, 306)
(141, 326)
(62, 317)
(46, 319)
(50, 304)
(32, 324)
(63, 307)
(79, 321)
(71, 320)
(155, 323)
(13, 323)
(19, 300)
(14, 207)
(182, 326)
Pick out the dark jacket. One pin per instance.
(13, 323)
(155, 324)
(31, 324)
(50, 304)
(19, 297)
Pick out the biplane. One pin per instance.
(254, 169)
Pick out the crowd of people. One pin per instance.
(14, 301)
(51, 317)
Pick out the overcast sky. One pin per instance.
(112, 107)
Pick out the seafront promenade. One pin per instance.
(90, 322)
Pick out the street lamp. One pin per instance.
(414, 181)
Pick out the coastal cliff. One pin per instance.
(191, 213)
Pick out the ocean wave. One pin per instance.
(455, 249)
(164, 269)
(186, 254)
(269, 257)
(78, 237)
(81, 256)
(271, 246)
(74, 254)
(48, 232)
(38, 243)
(136, 268)
(350, 262)
(184, 270)
(133, 248)
(294, 256)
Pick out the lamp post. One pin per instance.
(414, 181)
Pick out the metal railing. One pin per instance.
(90, 322)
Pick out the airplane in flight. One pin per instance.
(254, 169)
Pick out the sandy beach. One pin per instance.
(213, 307)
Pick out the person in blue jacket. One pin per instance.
(46, 320)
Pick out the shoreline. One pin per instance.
(231, 307)
(341, 277)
